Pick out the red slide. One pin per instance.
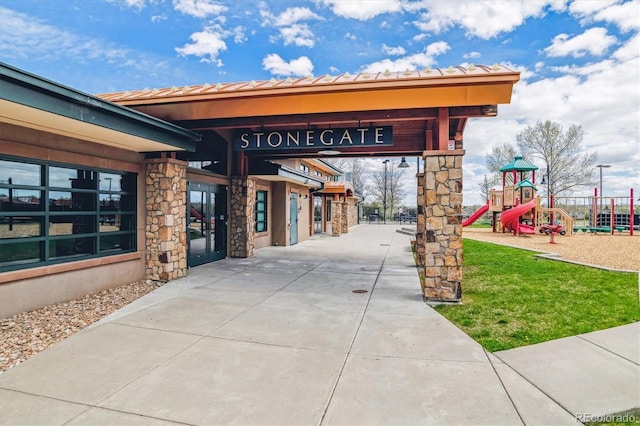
(482, 210)
(510, 219)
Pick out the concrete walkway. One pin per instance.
(282, 338)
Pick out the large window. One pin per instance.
(51, 213)
(261, 211)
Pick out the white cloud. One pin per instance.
(206, 45)
(622, 14)
(296, 67)
(289, 25)
(362, 10)
(411, 62)
(395, 51)
(199, 8)
(294, 15)
(132, 4)
(471, 55)
(239, 35)
(594, 41)
(297, 34)
(24, 36)
(481, 19)
(350, 36)
(158, 18)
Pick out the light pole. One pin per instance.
(602, 166)
(547, 178)
(384, 194)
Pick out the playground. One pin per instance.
(603, 250)
(594, 230)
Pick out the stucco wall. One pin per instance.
(33, 288)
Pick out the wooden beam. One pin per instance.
(443, 129)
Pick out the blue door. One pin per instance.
(293, 215)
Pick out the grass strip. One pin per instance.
(512, 298)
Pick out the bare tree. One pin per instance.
(354, 171)
(560, 151)
(486, 185)
(499, 156)
(395, 192)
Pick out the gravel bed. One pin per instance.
(620, 251)
(28, 333)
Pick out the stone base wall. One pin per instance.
(352, 214)
(442, 187)
(345, 217)
(421, 222)
(336, 218)
(242, 217)
(166, 213)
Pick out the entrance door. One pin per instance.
(293, 214)
(207, 227)
(317, 215)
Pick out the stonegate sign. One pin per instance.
(312, 138)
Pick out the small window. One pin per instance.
(305, 168)
(261, 211)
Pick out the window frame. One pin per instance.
(264, 209)
(91, 212)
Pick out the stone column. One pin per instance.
(336, 218)
(166, 215)
(345, 217)
(421, 221)
(242, 217)
(443, 225)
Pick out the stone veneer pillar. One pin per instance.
(165, 228)
(345, 217)
(421, 221)
(336, 218)
(442, 187)
(242, 217)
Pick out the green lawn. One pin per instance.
(511, 298)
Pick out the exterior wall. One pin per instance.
(33, 288)
(442, 238)
(166, 204)
(280, 214)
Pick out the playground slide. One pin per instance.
(510, 218)
(482, 210)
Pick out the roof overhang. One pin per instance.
(27, 100)
(424, 108)
(269, 171)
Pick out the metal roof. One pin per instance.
(28, 98)
(518, 165)
(311, 83)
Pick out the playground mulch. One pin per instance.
(619, 251)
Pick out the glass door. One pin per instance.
(207, 224)
(317, 215)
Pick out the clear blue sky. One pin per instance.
(579, 60)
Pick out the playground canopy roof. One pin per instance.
(526, 183)
(519, 165)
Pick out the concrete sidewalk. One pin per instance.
(282, 338)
